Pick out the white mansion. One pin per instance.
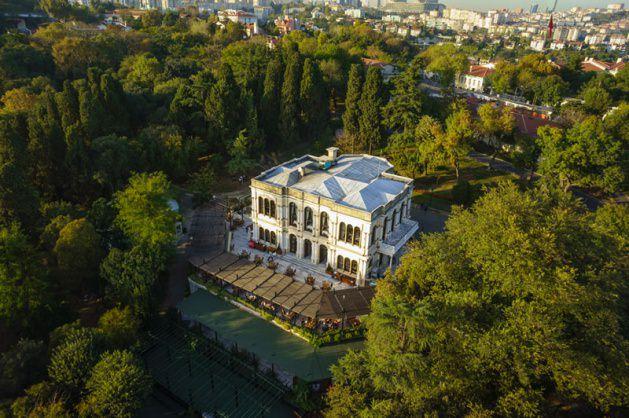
(348, 212)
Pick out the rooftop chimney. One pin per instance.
(333, 153)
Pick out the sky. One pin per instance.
(525, 4)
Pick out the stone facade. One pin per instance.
(328, 230)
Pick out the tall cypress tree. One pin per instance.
(289, 106)
(314, 100)
(222, 109)
(271, 98)
(114, 103)
(370, 119)
(18, 199)
(351, 124)
(68, 105)
(46, 146)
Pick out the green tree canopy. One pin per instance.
(517, 309)
(78, 252)
(370, 119)
(143, 211)
(116, 387)
(351, 116)
(72, 360)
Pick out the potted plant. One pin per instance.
(257, 260)
(329, 269)
(278, 250)
(290, 272)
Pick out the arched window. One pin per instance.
(267, 207)
(307, 248)
(342, 231)
(261, 233)
(346, 264)
(308, 219)
(350, 234)
(292, 243)
(272, 208)
(339, 262)
(273, 238)
(267, 235)
(292, 214)
(393, 218)
(324, 224)
(260, 205)
(384, 228)
(356, 235)
(354, 269)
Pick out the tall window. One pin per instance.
(261, 233)
(267, 235)
(292, 214)
(307, 248)
(356, 236)
(342, 231)
(350, 234)
(273, 238)
(393, 219)
(384, 228)
(354, 268)
(292, 243)
(272, 208)
(267, 207)
(324, 224)
(346, 264)
(402, 211)
(260, 205)
(308, 219)
(374, 231)
(339, 262)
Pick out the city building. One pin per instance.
(348, 213)
(591, 64)
(287, 24)
(386, 69)
(475, 78)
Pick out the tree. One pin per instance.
(131, 277)
(203, 183)
(313, 100)
(370, 119)
(21, 366)
(223, 108)
(495, 124)
(242, 152)
(413, 152)
(270, 103)
(46, 146)
(596, 100)
(584, 155)
(23, 288)
(78, 252)
(113, 160)
(351, 116)
(117, 386)
(404, 110)
(40, 400)
(456, 142)
(143, 211)
(289, 105)
(502, 314)
(72, 360)
(18, 199)
(119, 327)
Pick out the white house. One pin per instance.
(475, 78)
(347, 212)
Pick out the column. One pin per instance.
(300, 248)
(314, 257)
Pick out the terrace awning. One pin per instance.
(232, 272)
(273, 286)
(346, 303)
(218, 263)
(293, 294)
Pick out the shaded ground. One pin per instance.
(435, 189)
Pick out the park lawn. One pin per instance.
(435, 189)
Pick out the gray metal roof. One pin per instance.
(357, 181)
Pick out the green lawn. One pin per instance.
(435, 189)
